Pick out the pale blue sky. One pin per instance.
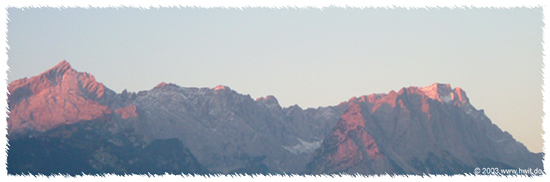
(308, 57)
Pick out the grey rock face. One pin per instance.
(227, 131)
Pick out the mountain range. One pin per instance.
(64, 121)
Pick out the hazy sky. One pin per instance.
(309, 57)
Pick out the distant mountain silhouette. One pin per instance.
(64, 121)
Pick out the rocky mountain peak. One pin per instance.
(61, 66)
(268, 99)
(221, 87)
(161, 84)
(438, 91)
(47, 100)
(56, 74)
(51, 77)
(372, 98)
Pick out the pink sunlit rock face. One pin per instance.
(58, 96)
(127, 112)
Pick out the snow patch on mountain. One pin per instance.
(447, 98)
(303, 147)
(440, 92)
